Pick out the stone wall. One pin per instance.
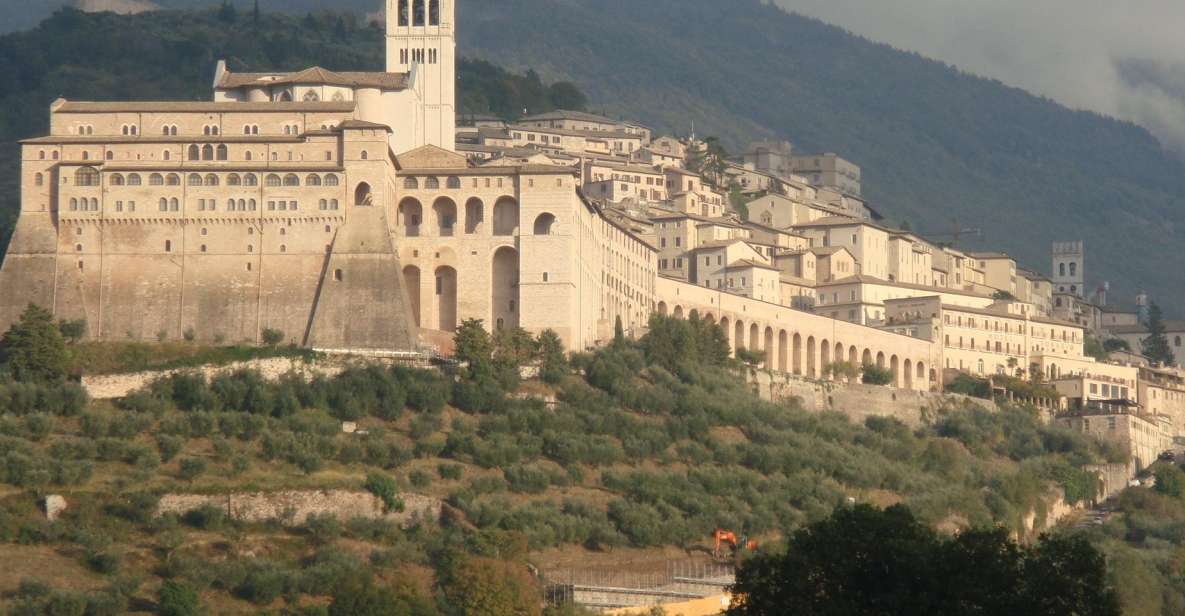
(294, 507)
(859, 401)
(1113, 478)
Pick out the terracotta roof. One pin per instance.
(316, 75)
(363, 124)
(563, 114)
(198, 107)
(1169, 326)
(747, 263)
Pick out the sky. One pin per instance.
(1122, 58)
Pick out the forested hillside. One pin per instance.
(171, 56)
(934, 144)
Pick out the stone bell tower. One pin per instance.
(422, 39)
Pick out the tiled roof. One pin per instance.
(198, 107)
(316, 75)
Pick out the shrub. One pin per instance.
(386, 489)
(875, 375)
(33, 348)
(192, 468)
(189, 335)
(177, 599)
(73, 331)
(419, 478)
(207, 517)
(272, 337)
(450, 471)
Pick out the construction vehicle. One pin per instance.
(730, 538)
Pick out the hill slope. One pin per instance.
(935, 144)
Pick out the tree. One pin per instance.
(618, 331)
(1155, 346)
(272, 337)
(177, 599)
(255, 13)
(1170, 480)
(553, 363)
(875, 375)
(73, 331)
(227, 13)
(487, 587)
(473, 346)
(1093, 347)
(1003, 295)
(863, 560)
(1112, 345)
(33, 348)
(360, 596)
(565, 95)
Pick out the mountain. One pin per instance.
(936, 145)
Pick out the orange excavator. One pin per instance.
(728, 537)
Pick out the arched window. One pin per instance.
(195, 153)
(1177, 341)
(86, 156)
(41, 155)
(116, 179)
(135, 130)
(250, 180)
(234, 180)
(312, 180)
(365, 155)
(433, 12)
(134, 179)
(206, 131)
(194, 180)
(230, 205)
(222, 152)
(273, 180)
(454, 182)
(156, 179)
(311, 97)
(167, 155)
(164, 204)
(333, 204)
(411, 183)
(211, 180)
(286, 97)
(331, 180)
(39, 179)
(291, 180)
(110, 155)
(207, 152)
(417, 12)
(403, 14)
(173, 179)
(432, 183)
(73, 204)
(251, 205)
(55, 155)
(362, 195)
(324, 204)
(1073, 269)
(544, 224)
(164, 130)
(174, 204)
(86, 176)
(247, 155)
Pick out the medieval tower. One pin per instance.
(1069, 275)
(421, 40)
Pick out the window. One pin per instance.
(134, 179)
(222, 152)
(234, 180)
(250, 180)
(164, 204)
(365, 155)
(433, 12)
(195, 153)
(194, 180)
(312, 180)
(454, 182)
(337, 275)
(39, 179)
(167, 155)
(86, 176)
(168, 245)
(331, 180)
(311, 97)
(291, 180)
(273, 179)
(207, 152)
(211, 180)
(411, 183)
(432, 183)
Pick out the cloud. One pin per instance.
(1123, 59)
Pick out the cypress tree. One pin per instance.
(1155, 347)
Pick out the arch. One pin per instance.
(363, 196)
(286, 96)
(866, 358)
(331, 180)
(453, 182)
(474, 215)
(133, 179)
(446, 298)
(754, 332)
(250, 179)
(920, 367)
(894, 369)
(193, 179)
(768, 346)
(417, 13)
(693, 315)
(207, 152)
(854, 357)
(445, 211)
(662, 308)
(173, 179)
(194, 153)
(838, 357)
(678, 313)
(880, 360)
(409, 216)
(211, 180)
(234, 180)
(431, 183)
(291, 179)
(410, 183)
(411, 282)
(796, 354)
(810, 357)
(116, 179)
(544, 224)
(505, 216)
(783, 339)
(907, 372)
(222, 152)
(86, 176)
(505, 289)
(738, 338)
(824, 357)
(312, 179)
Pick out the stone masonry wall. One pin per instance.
(859, 401)
(110, 386)
(295, 507)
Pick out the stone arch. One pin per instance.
(769, 347)
(445, 212)
(854, 357)
(474, 215)
(933, 378)
(662, 308)
(754, 332)
(724, 327)
(738, 338)
(810, 357)
(921, 376)
(710, 319)
(907, 372)
(544, 224)
(824, 356)
(410, 215)
(782, 350)
(866, 358)
(446, 298)
(411, 282)
(362, 195)
(504, 302)
(895, 369)
(797, 354)
(693, 315)
(505, 216)
(678, 313)
(880, 360)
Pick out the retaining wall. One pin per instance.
(294, 507)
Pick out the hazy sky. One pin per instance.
(1124, 58)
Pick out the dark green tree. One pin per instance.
(473, 346)
(863, 560)
(255, 13)
(1155, 347)
(74, 330)
(177, 599)
(618, 331)
(565, 95)
(553, 362)
(875, 375)
(33, 348)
